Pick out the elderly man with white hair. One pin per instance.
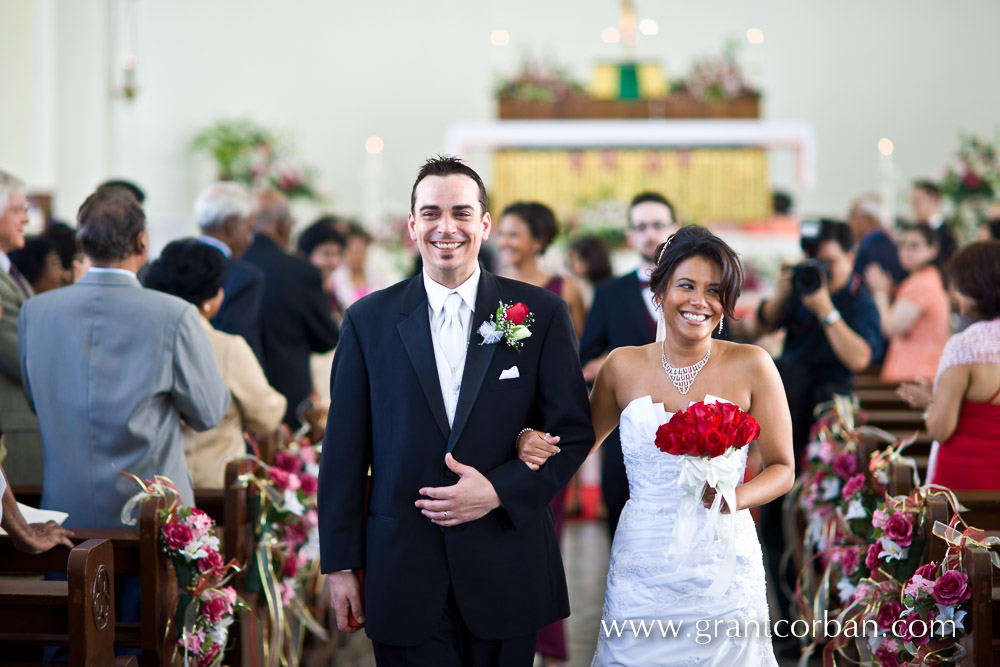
(874, 244)
(18, 423)
(224, 212)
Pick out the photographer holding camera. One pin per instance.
(832, 325)
(832, 332)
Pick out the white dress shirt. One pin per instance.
(4, 262)
(450, 376)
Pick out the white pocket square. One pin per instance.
(510, 373)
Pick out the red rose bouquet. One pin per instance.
(707, 429)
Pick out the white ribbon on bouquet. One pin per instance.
(722, 473)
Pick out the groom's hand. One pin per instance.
(473, 497)
(345, 596)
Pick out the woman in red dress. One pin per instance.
(963, 412)
(524, 233)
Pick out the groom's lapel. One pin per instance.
(415, 331)
(478, 357)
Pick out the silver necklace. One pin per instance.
(683, 378)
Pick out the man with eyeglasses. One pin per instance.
(623, 315)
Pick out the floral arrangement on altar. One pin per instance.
(538, 82)
(250, 154)
(206, 606)
(714, 79)
(286, 567)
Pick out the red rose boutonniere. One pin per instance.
(510, 323)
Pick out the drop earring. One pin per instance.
(721, 320)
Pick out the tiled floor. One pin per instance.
(586, 550)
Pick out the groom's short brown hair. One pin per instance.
(448, 165)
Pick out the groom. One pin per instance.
(460, 558)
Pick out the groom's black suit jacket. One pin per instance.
(387, 412)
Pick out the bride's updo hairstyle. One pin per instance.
(696, 241)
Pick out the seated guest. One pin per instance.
(31, 538)
(323, 247)
(963, 410)
(39, 264)
(916, 322)
(224, 212)
(295, 318)
(111, 369)
(195, 272)
(874, 244)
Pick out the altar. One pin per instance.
(715, 170)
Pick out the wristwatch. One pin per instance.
(831, 317)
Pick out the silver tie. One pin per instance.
(452, 335)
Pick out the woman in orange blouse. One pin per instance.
(917, 321)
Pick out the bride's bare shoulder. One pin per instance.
(749, 358)
(622, 359)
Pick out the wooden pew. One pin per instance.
(136, 552)
(78, 612)
(983, 621)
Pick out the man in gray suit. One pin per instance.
(111, 369)
(18, 424)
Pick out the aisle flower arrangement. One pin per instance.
(206, 605)
(286, 563)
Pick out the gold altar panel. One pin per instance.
(705, 184)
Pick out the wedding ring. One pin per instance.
(446, 515)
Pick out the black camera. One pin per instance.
(809, 276)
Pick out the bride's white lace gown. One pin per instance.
(644, 586)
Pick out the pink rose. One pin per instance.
(192, 641)
(287, 462)
(214, 610)
(928, 571)
(212, 562)
(916, 628)
(849, 558)
(952, 587)
(208, 656)
(309, 484)
(310, 519)
(284, 479)
(887, 658)
(177, 535)
(845, 465)
(871, 558)
(291, 568)
(308, 454)
(879, 517)
(899, 528)
(852, 486)
(888, 613)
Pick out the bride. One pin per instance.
(696, 282)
